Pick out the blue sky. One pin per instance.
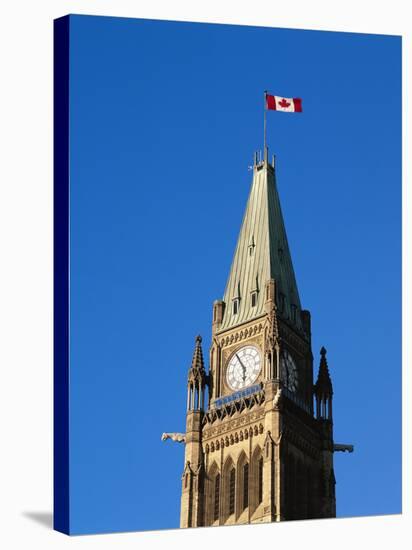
(164, 120)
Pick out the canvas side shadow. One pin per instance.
(42, 518)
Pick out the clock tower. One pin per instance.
(256, 447)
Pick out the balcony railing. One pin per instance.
(236, 396)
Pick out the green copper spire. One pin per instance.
(262, 253)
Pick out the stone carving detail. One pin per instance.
(228, 426)
(277, 398)
(236, 336)
(299, 441)
(233, 439)
(230, 409)
(286, 333)
(178, 437)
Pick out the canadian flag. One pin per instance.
(286, 104)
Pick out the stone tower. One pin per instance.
(256, 450)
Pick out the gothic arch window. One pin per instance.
(311, 492)
(255, 495)
(282, 300)
(260, 480)
(291, 487)
(245, 488)
(300, 490)
(232, 487)
(213, 494)
(321, 490)
(242, 484)
(228, 489)
(216, 498)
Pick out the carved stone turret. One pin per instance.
(197, 379)
(192, 478)
(323, 393)
(323, 389)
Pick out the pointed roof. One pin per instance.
(323, 384)
(197, 368)
(262, 253)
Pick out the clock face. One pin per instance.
(288, 371)
(243, 368)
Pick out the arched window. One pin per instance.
(217, 498)
(211, 483)
(301, 506)
(232, 485)
(310, 492)
(260, 480)
(291, 479)
(245, 486)
(321, 488)
(242, 483)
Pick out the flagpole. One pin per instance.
(264, 125)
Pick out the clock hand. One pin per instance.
(243, 367)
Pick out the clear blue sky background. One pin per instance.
(164, 120)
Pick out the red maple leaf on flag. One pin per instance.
(284, 103)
